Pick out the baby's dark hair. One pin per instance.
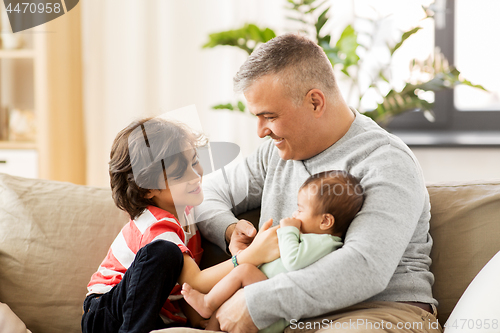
(141, 153)
(337, 193)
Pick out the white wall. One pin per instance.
(458, 164)
(147, 60)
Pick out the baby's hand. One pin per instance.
(291, 222)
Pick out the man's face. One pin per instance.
(288, 125)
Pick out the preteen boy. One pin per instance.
(156, 178)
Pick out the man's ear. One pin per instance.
(327, 221)
(317, 100)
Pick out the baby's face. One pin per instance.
(307, 212)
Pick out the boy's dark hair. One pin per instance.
(141, 153)
(337, 193)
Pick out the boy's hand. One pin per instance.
(240, 235)
(9, 322)
(291, 222)
(265, 247)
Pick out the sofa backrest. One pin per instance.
(465, 227)
(53, 236)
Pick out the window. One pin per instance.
(467, 33)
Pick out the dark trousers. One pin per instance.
(134, 304)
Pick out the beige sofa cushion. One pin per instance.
(45, 260)
(465, 227)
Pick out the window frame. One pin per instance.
(449, 122)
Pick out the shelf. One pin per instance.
(459, 139)
(17, 54)
(17, 145)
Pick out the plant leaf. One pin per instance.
(312, 9)
(322, 19)
(296, 19)
(347, 45)
(227, 106)
(241, 106)
(405, 36)
(240, 37)
(429, 115)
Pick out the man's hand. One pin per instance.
(234, 317)
(290, 221)
(240, 235)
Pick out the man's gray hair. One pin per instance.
(299, 63)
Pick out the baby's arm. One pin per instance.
(298, 251)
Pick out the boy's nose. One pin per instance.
(195, 178)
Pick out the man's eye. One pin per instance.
(270, 118)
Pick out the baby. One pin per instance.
(327, 202)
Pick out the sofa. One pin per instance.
(53, 236)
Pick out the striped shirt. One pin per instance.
(153, 224)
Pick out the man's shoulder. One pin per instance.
(369, 138)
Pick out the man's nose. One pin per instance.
(262, 129)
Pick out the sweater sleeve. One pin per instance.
(298, 251)
(246, 182)
(374, 245)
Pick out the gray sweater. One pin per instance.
(385, 256)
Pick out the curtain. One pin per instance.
(145, 58)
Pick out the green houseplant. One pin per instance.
(433, 74)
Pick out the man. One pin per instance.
(380, 279)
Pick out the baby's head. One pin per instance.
(147, 153)
(328, 201)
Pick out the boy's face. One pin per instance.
(184, 190)
(307, 212)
